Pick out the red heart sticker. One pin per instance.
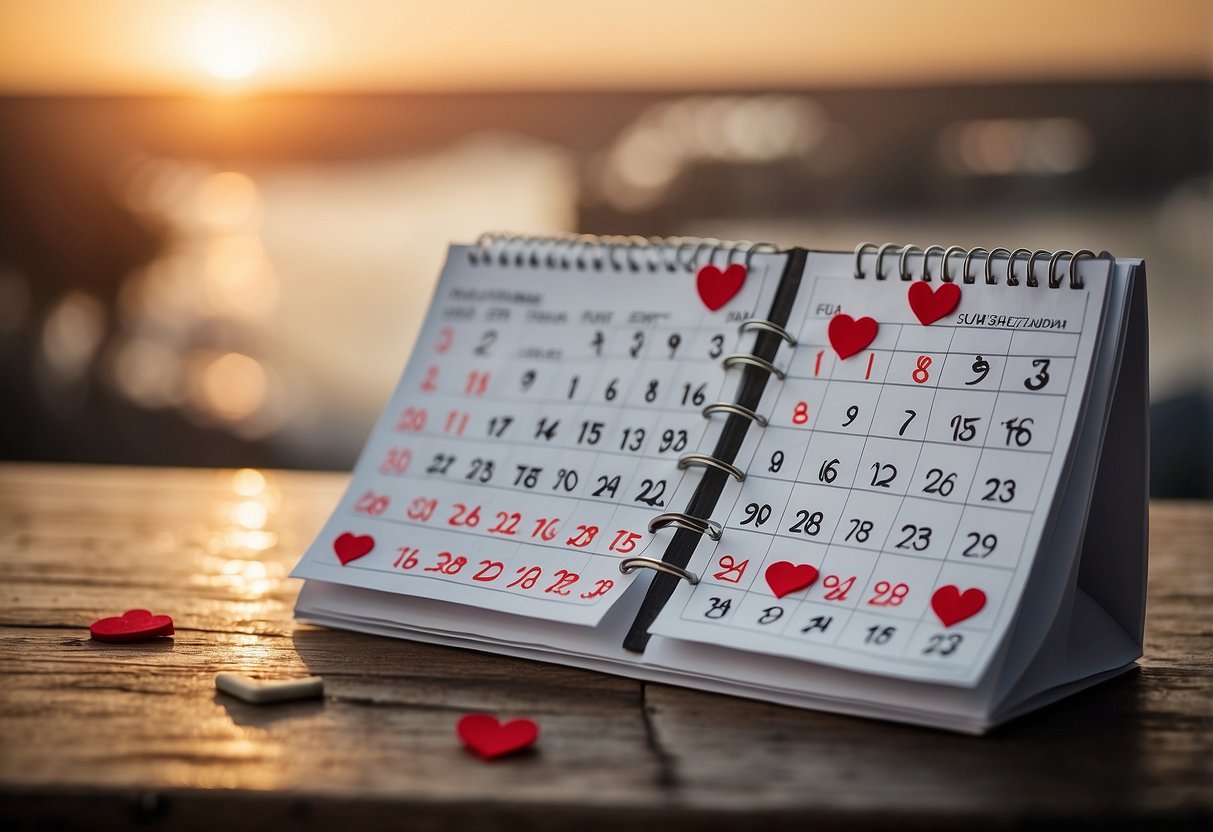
(716, 287)
(953, 606)
(132, 625)
(491, 739)
(932, 304)
(785, 577)
(848, 336)
(352, 546)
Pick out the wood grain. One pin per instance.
(96, 736)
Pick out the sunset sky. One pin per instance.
(152, 46)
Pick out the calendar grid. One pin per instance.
(1009, 356)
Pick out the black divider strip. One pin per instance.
(703, 501)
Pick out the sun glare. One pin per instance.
(228, 45)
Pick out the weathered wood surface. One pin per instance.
(97, 736)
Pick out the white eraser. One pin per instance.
(262, 693)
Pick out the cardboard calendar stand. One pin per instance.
(1100, 619)
(1074, 617)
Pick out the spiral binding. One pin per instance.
(988, 256)
(617, 253)
(689, 522)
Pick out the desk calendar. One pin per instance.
(871, 482)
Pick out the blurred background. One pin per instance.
(219, 221)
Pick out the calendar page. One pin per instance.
(537, 427)
(899, 494)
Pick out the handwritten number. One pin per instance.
(1038, 381)
(486, 342)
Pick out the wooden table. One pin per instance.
(96, 736)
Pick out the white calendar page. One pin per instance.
(536, 431)
(905, 488)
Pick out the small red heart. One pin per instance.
(848, 336)
(953, 606)
(490, 739)
(932, 304)
(716, 287)
(133, 625)
(352, 546)
(785, 577)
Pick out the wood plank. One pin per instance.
(123, 733)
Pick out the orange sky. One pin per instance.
(138, 46)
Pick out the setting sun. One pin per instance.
(228, 44)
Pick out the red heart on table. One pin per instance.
(716, 287)
(352, 546)
(953, 606)
(785, 577)
(848, 336)
(489, 738)
(132, 625)
(932, 304)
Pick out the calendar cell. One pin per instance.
(832, 460)
(714, 604)
(887, 465)
(871, 367)
(812, 362)
(711, 344)
(633, 432)
(610, 477)
(848, 407)
(898, 586)
(969, 597)
(1022, 421)
(961, 417)
(694, 385)
(920, 369)
(1028, 343)
(653, 485)
(927, 340)
(765, 614)
(738, 560)
(844, 574)
(924, 528)
(763, 507)
(780, 453)
(588, 528)
(573, 383)
(529, 381)
(934, 643)
(1038, 375)
(813, 512)
(976, 371)
(628, 532)
(1007, 479)
(816, 623)
(882, 634)
(945, 472)
(866, 520)
(728, 569)
(798, 404)
(989, 537)
(903, 413)
(967, 341)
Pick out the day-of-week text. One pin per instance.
(1010, 321)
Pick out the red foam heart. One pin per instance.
(932, 304)
(352, 546)
(785, 577)
(953, 606)
(132, 625)
(848, 336)
(490, 739)
(716, 287)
